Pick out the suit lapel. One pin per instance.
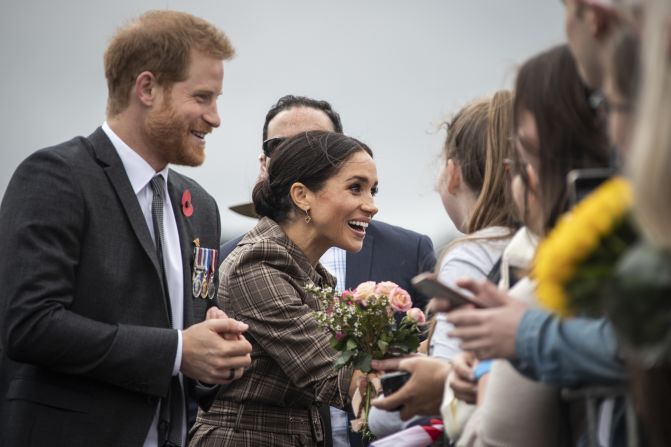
(359, 265)
(105, 152)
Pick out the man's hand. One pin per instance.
(214, 348)
(488, 333)
(462, 378)
(423, 393)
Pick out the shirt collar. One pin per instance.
(137, 169)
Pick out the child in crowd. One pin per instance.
(472, 186)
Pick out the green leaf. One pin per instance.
(351, 344)
(383, 345)
(338, 345)
(362, 362)
(343, 359)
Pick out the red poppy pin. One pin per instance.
(187, 206)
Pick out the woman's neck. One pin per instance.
(305, 238)
(466, 205)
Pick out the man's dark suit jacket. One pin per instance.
(82, 312)
(389, 253)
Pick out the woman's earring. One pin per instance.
(308, 219)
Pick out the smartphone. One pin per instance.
(392, 381)
(430, 286)
(581, 182)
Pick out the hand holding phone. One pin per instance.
(392, 381)
(429, 285)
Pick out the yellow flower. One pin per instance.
(574, 238)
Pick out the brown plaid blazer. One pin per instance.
(261, 284)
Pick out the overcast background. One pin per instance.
(393, 69)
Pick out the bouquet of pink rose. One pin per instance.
(363, 326)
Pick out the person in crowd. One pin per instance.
(606, 59)
(319, 192)
(384, 243)
(556, 130)
(104, 334)
(590, 26)
(649, 165)
(579, 351)
(472, 187)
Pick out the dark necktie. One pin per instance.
(170, 414)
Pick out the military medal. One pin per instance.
(195, 284)
(211, 290)
(198, 259)
(204, 269)
(204, 275)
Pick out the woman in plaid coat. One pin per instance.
(318, 194)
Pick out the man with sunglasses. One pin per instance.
(384, 244)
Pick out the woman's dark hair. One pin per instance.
(571, 135)
(310, 158)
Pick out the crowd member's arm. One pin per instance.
(541, 345)
(567, 352)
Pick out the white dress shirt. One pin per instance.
(335, 261)
(140, 173)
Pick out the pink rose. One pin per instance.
(364, 291)
(415, 314)
(347, 295)
(400, 300)
(340, 336)
(385, 287)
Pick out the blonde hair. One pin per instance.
(650, 162)
(160, 42)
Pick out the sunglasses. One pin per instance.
(271, 144)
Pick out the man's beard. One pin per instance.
(171, 137)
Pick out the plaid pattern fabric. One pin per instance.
(260, 425)
(213, 436)
(292, 362)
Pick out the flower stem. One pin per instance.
(366, 434)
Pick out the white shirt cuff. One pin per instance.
(178, 355)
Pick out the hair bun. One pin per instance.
(265, 202)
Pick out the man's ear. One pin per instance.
(146, 88)
(301, 196)
(453, 176)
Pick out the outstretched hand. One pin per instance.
(423, 392)
(489, 332)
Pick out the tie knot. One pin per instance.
(157, 185)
